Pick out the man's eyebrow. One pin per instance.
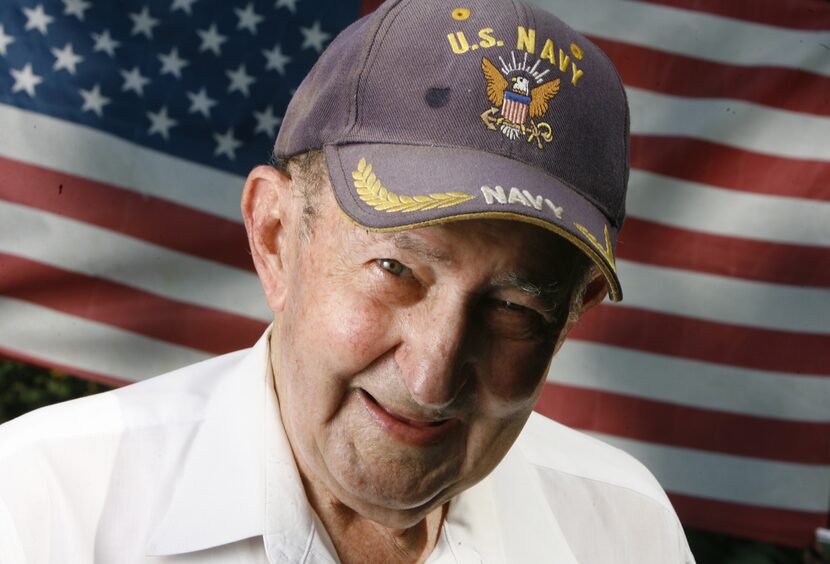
(550, 294)
(415, 245)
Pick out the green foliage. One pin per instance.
(24, 387)
(712, 548)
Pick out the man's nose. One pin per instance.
(435, 360)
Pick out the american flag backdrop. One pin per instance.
(126, 129)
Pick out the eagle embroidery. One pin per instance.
(515, 103)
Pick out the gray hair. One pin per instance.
(309, 175)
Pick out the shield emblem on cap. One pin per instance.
(514, 107)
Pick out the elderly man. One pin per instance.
(449, 187)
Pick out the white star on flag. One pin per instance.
(160, 122)
(94, 101)
(240, 81)
(76, 8)
(226, 144)
(143, 23)
(183, 5)
(105, 43)
(211, 40)
(37, 19)
(314, 37)
(135, 81)
(201, 102)
(66, 58)
(25, 80)
(276, 59)
(5, 40)
(291, 5)
(267, 122)
(172, 63)
(248, 19)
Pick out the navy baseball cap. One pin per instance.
(432, 111)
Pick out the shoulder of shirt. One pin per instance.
(179, 395)
(551, 446)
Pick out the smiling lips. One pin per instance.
(420, 432)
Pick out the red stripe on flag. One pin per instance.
(14, 354)
(709, 341)
(778, 263)
(728, 167)
(368, 6)
(149, 218)
(798, 14)
(680, 75)
(125, 307)
(779, 526)
(689, 427)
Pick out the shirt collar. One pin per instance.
(289, 522)
(218, 494)
(506, 518)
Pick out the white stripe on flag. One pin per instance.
(704, 208)
(80, 247)
(731, 122)
(723, 299)
(692, 383)
(60, 145)
(695, 34)
(753, 481)
(67, 340)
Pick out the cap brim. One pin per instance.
(388, 187)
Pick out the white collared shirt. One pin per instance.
(194, 466)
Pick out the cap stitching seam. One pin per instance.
(374, 48)
(626, 122)
(369, 51)
(357, 81)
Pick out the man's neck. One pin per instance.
(360, 540)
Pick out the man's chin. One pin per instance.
(397, 513)
(392, 499)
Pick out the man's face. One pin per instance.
(407, 363)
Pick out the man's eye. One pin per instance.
(393, 267)
(504, 304)
(515, 321)
(517, 310)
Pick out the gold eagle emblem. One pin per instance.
(516, 104)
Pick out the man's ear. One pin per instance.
(267, 209)
(595, 292)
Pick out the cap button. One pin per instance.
(461, 14)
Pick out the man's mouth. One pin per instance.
(408, 429)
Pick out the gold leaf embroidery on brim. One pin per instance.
(607, 251)
(374, 194)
